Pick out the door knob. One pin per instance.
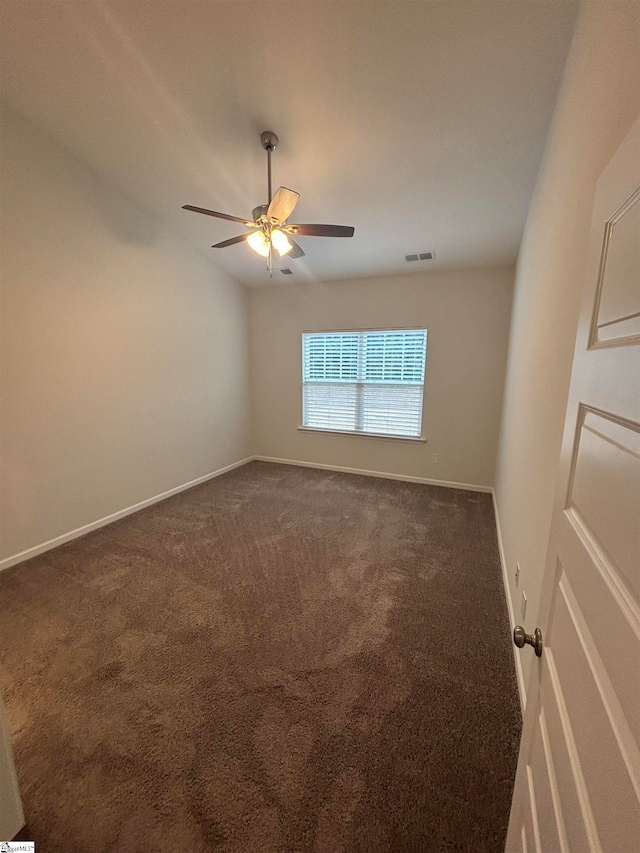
(520, 637)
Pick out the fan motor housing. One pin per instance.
(260, 211)
(269, 140)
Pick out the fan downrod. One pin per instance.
(269, 140)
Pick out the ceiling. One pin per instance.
(420, 123)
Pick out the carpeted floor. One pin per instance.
(282, 659)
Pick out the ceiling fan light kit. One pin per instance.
(270, 226)
(259, 243)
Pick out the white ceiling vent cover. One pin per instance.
(420, 256)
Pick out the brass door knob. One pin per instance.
(520, 637)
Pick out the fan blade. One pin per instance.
(296, 252)
(321, 230)
(215, 213)
(232, 241)
(282, 204)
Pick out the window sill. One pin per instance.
(418, 439)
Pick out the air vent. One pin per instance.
(286, 271)
(420, 256)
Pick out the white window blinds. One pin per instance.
(370, 382)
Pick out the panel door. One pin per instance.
(11, 816)
(578, 779)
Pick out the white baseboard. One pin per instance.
(405, 478)
(101, 522)
(512, 620)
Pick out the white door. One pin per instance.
(11, 817)
(578, 778)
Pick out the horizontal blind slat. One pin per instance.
(392, 410)
(329, 405)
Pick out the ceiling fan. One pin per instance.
(270, 228)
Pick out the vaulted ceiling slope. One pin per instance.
(420, 123)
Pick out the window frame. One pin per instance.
(422, 438)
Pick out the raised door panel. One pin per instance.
(552, 836)
(604, 743)
(567, 771)
(604, 490)
(530, 830)
(11, 816)
(616, 318)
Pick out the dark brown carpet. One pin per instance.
(282, 659)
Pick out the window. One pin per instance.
(366, 382)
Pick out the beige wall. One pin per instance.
(123, 368)
(598, 102)
(467, 317)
